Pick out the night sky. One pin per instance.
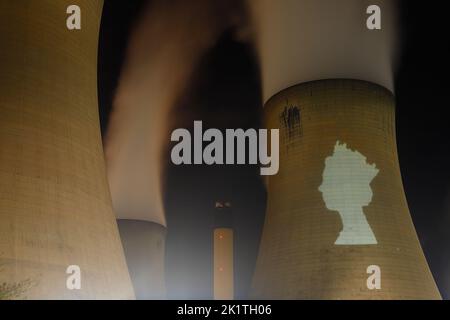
(225, 93)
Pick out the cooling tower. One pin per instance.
(336, 210)
(144, 245)
(223, 264)
(55, 206)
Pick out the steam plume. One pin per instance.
(163, 52)
(305, 40)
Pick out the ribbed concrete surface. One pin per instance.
(298, 257)
(55, 206)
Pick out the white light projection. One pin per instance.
(346, 188)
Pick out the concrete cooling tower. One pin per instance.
(144, 243)
(55, 206)
(337, 216)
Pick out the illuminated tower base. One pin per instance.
(337, 205)
(144, 246)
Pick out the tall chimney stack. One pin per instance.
(223, 252)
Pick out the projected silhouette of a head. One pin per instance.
(346, 188)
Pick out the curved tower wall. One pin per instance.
(337, 205)
(55, 205)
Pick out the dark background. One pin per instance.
(225, 93)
